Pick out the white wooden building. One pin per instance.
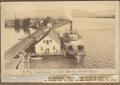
(50, 44)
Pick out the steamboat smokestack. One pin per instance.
(71, 28)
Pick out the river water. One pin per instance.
(98, 35)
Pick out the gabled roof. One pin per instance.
(54, 36)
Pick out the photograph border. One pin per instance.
(60, 0)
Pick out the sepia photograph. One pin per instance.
(58, 35)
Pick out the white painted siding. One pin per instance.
(41, 47)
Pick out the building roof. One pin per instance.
(54, 36)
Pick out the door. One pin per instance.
(47, 51)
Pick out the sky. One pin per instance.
(56, 9)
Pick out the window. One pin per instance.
(53, 47)
(47, 41)
(50, 40)
(83, 47)
(41, 48)
(70, 47)
(71, 33)
(80, 47)
(43, 41)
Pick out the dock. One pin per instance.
(24, 45)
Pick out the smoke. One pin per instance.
(67, 14)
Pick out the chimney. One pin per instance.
(71, 26)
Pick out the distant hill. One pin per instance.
(106, 14)
(78, 13)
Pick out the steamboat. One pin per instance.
(73, 45)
